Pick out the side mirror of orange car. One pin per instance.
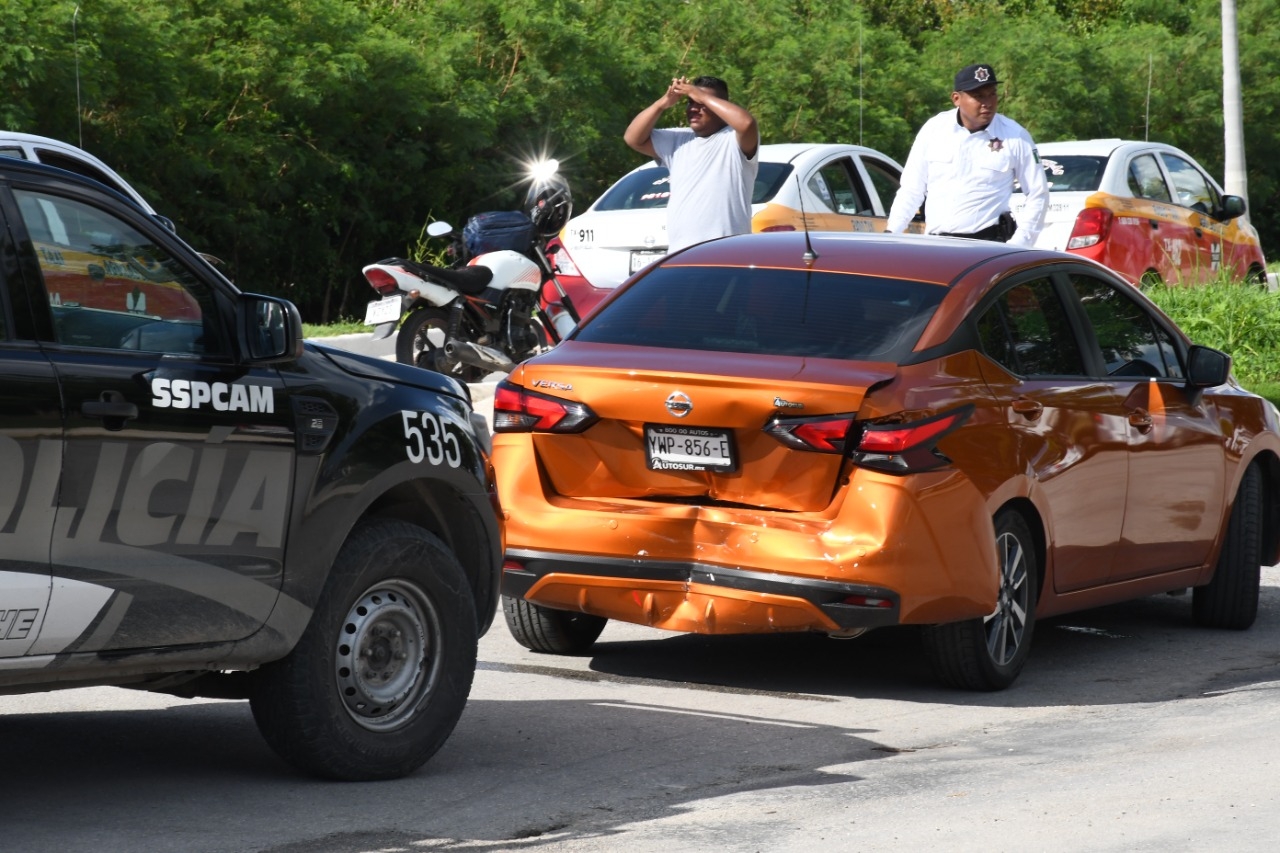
(1207, 367)
(1232, 206)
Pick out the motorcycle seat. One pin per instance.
(469, 280)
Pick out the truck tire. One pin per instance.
(558, 632)
(988, 653)
(383, 670)
(1230, 600)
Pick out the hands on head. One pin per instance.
(681, 88)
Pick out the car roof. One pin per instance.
(29, 141)
(12, 164)
(912, 256)
(1104, 147)
(33, 139)
(788, 152)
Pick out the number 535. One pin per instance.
(429, 439)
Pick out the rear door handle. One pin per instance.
(1028, 408)
(1140, 419)
(111, 408)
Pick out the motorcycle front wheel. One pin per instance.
(421, 344)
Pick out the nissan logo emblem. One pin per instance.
(679, 404)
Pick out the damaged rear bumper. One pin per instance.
(694, 597)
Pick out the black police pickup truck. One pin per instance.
(193, 500)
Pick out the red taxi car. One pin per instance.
(1146, 210)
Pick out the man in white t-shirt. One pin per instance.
(712, 163)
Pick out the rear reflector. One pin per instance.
(865, 601)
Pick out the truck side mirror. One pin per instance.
(269, 329)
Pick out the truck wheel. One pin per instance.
(420, 343)
(558, 632)
(1230, 600)
(383, 670)
(988, 654)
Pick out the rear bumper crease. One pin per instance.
(825, 599)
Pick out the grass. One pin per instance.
(344, 327)
(1238, 318)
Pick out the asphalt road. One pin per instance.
(1130, 730)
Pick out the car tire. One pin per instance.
(1230, 600)
(988, 653)
(399, 602)
(557, 632)
(1150, 278)
(415, 347)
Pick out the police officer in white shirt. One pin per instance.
(964, 162)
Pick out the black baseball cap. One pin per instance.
(975, 77)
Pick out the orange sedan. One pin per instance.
(833, 433)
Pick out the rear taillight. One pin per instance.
(517, 409)
(823, 434)
(1093, 224)
(905, 448)
(381, 281)
(778, 228)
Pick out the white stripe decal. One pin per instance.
(24, 598)
(72, 608)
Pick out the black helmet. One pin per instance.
(549, 202)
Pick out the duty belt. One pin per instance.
(1000, 232)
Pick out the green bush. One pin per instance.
(1239, 318)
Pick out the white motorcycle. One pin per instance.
(485, 315)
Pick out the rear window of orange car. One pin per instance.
(648, 188)
(768, 312)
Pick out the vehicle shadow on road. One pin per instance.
(517, 774)
(527, 772)
(1148, 650)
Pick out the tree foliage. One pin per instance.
(302, 139)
